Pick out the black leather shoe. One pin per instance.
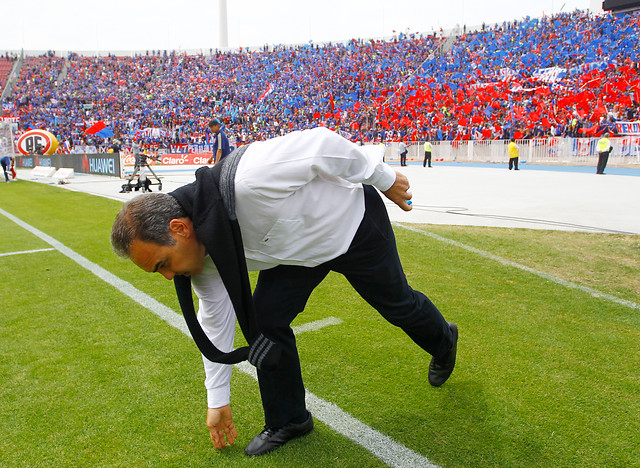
(272, 438)
(441, 368)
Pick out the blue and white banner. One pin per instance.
(628, 128)
(549, 75)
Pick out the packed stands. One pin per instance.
(572, 74)
(6, 65)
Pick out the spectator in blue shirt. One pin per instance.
(220, 144)
(7, 165)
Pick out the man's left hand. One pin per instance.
(399, 192)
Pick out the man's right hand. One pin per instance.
(220, 423)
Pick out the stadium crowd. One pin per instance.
(571, 74)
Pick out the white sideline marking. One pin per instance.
(504, 261)
(25, 252)
(164, 312)
(382, 446)
(316, 325)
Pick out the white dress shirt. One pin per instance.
(299, 201)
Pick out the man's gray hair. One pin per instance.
(145, 218)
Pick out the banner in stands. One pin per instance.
(628, 128)
(173, 159)
(629, 146)
(98, 163)
(191, 148)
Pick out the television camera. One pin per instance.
(140, 169)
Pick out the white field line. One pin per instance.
(7, 254)
(382, 446)
(504, 261)
(316, 325)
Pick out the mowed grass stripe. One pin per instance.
(510, 263)
(391, 452)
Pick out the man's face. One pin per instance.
(214, 128)
(185, 257)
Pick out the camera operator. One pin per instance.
(135, 149)
(140, 167)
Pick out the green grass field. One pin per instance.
(547, 375)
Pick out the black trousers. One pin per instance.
(513, 162)
(4, 169)
(427, 158)
(603, 158)
(373, 268)
(403, 159)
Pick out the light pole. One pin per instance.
(224, 36)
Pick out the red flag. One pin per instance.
(266, 92)
(636, 93)
(599, 111)
(96, 127)
(566, 101)
(625, 100)
(622, 85)
(591, 131)
(595, 83)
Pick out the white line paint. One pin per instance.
(7, 254)
(147, 301)
(504, 261)
(316, 325)
(382, 446)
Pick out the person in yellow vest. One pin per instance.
(604, 149)
(427, 154)
(514, 154)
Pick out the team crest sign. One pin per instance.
(37, 142)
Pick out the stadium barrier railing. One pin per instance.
(556, 150)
